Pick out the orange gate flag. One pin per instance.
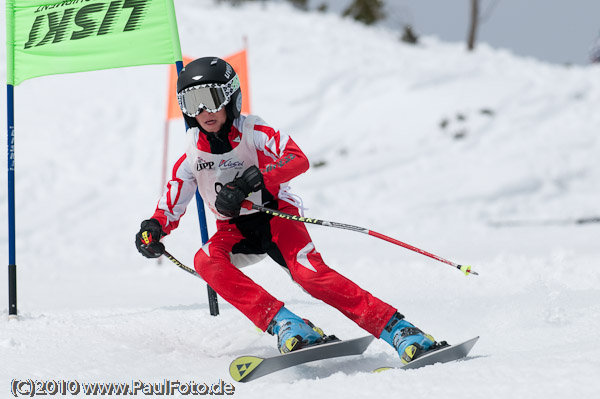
(239, 62)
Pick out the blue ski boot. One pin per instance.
(293, 332)
(407, 339)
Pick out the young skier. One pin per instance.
(231, 158)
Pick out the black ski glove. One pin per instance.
(250, 181)
(229, 200)
(147, 240)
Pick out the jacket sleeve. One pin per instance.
(279, 157)
(179, 191)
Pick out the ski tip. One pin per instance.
(243, 366)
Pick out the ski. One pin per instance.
(248, 368)
(443, 355)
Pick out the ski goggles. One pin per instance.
(211, 97)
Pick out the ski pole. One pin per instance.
(181, 265)
(212, 295)
(213, 303)
(249, 205)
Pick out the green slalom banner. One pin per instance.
(46, 37)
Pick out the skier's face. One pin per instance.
(212, 122)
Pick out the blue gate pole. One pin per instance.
(12, 263)
(213, 303)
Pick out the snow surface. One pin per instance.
(520, 144)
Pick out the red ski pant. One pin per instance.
(213, 263)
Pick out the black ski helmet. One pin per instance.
(208, 70)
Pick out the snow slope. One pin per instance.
(520, 144)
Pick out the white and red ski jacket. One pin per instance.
(253, 142)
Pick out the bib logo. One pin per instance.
(230, 164)
(83, 20)
(201, 164)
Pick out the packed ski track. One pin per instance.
(427, 144)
